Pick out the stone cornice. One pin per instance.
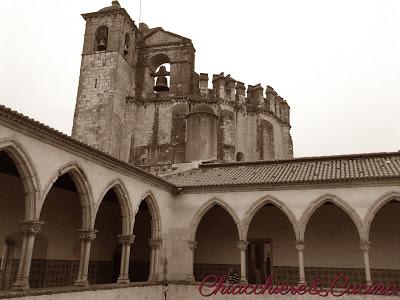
(204, 189)
(28, 126)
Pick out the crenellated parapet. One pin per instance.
(252, 100)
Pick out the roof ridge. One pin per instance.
(302, 159)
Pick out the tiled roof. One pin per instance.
(309, 170)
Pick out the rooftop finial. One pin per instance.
(115, 3)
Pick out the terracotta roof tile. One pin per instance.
(324, 169)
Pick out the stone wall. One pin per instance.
(162, 292)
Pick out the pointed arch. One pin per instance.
(124, 202)
(336, 201)
(205, 208)
(373, 210)
(254, 208)
(81, 182)
(28, 174)
(151, 202)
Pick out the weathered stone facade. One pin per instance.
(119, 112)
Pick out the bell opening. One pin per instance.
(161, 80)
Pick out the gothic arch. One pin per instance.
(82, 185)
(250, 213)
(124, 202)
(373, 210)
(338, 202)
(151, 202)
(205, 208)
(27, 172)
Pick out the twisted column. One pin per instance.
(192, 245)
(300, 247)
(242, 245)
(155, 245)
(126, 241)
(29, 230)
(86, 237)
(365, 246)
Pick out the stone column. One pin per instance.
(192, 246)
(242, 245)
(155, 245)
(365, 246)
(86, 237)
(126, 241)
(29, 230)
(300, 247)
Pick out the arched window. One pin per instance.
(101, 38)
(239, 156)
(127, 43)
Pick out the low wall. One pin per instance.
(157, 292)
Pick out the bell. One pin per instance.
(161, 84)
(102, 45)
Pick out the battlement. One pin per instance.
(252, 100)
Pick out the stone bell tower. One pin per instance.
(107, 80)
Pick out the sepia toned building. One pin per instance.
(83, 218)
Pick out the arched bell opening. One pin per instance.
(162, 78)
(101, 38)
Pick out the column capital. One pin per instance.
(155, 243)
(365, 246)
(192, 244)
(300, 245)
(126, 239)
(242, 245)
(32, 226)
(87, 235)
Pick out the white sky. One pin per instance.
(337, 63)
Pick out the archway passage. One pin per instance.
(13, 199)
(56, 251)
(139, 269)
(271, 248)
(385, 244)
(105, 255)
(216, 251)
(332, 246)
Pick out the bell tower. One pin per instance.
(107, 80)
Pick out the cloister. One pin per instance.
(72, 215)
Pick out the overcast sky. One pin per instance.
(337, 63)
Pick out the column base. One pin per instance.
(81, 282)
(243, 281)
(21, 284)
(302, 282)
(123, 280)
(191, 279)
